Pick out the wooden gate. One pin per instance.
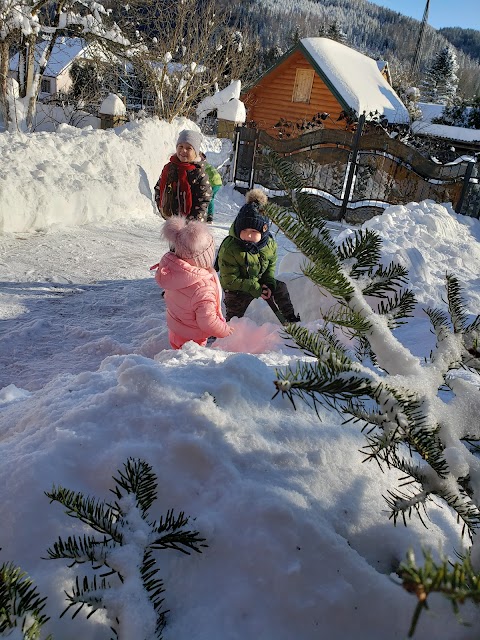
(356, 176)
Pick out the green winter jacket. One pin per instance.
(240, 270)
(214, 177)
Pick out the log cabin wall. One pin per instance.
(272, 98)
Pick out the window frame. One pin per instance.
(302, 88)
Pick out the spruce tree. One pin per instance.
(441, 81)
(335, 32)
(418, 416)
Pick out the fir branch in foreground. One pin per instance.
(20, 603)
(456, 305)
(139, 479)
(125, 553)
(458, 582)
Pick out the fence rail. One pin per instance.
(357, 175)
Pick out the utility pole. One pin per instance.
(418, 49)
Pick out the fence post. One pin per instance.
(466, 186)
(252, 173)
(236, 145)
(353, 166)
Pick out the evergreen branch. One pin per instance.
(475, 325)
(20, 603)
(456, 306)
(175, 537)
(419, 435)
(328, 382)
(308, 209)
(154, 588)
(362, 249)
(458, 582)
(329, 278)
(357, 412)
(347, 318)
(93, 512)
(397, 308)
(325, 269)
(90, 594)
(80, 550)
(402, 503)
(464, 507)
(289, 176)
(386, 279)
(139, 479)
(321, 344)
(440, 323)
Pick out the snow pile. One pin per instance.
(74, 176)
(113, 105)
(227, 103)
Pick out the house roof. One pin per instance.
(65, 51)
(424, 126)
(354, 79)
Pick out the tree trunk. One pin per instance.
(4, 103)
(31, 81)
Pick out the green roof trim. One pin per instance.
(326, 80)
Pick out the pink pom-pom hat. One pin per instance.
(191, 241)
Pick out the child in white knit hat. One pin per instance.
(192, 289)
(183, 188)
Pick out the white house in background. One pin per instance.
(463, 139)
(56, 79)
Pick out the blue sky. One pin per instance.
(443, 13)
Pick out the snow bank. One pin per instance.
(75, 177)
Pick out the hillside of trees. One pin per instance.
(466, 40)
(369, 28)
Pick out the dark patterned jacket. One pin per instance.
(201, 189)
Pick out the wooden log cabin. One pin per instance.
(321, 76)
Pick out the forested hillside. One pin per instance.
(466, 40)
(377, 31)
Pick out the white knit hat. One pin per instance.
(193, 138)
(191, 241)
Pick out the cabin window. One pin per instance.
(303, 85)
(45, 86)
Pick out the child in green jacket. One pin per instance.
(215, 180)
(247, 259)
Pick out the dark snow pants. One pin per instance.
(236, 303)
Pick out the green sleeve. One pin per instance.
(231, 273)
(268, 276)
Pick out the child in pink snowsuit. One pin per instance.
(192, 289)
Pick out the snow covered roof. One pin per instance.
(353, 78)
(425, 127)
(64, 52)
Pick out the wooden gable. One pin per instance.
(291, 91)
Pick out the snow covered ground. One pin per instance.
(299, 542)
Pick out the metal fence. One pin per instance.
(357, 175)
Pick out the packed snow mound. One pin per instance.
(79, 176)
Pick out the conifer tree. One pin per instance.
(128, 588)
(441, 80)
(334, 32)
(419, 416)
